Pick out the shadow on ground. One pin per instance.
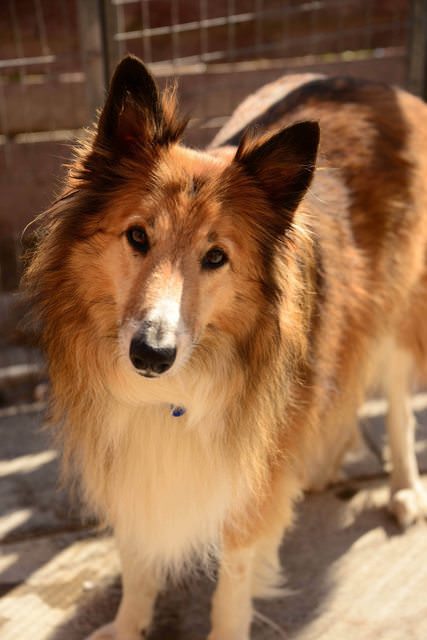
(308, 554)
(328, 526)
(32, 507)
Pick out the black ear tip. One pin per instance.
(130, 63)
(314, 128)
(131, 71)
(307, 128)
(304, 136)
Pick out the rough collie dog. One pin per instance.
(212, 321)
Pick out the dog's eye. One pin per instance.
(137, 239)
(214, 258)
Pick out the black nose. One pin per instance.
(150, 360)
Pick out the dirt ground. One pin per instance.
(351, 574)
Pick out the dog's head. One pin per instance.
(156, 250)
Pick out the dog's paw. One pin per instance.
(409, 505)
(110, 632)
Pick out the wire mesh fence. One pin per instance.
(171, 33)
(41, 101)
(223, 50)
(55, 57)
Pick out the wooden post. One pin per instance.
(93, 53)
(109, 28)
(417, 49)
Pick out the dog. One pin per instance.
(213, 320)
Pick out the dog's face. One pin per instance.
(170, 254)
(176, 248)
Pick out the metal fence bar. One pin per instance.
(24, 62)
(187, 26)
(175, 30)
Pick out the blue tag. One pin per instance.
(177, 412)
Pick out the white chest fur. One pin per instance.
(171, 487)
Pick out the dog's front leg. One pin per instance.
(140, 589)
(232, 602)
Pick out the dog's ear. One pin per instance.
(283, 164)
(134, 112)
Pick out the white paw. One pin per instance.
(110, 632)
(409, 505)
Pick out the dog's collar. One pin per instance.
(177, 411)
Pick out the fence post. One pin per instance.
(93, 54)
(417, 49)
(109, 28)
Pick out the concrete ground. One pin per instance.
(351, 574)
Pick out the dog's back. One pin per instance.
(369, 204)
(373, 137)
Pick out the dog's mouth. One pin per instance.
(147, 374)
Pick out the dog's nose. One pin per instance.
(150, 360)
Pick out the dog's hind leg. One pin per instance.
(134, 616)
(408, 500)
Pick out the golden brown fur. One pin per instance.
(279, 346)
